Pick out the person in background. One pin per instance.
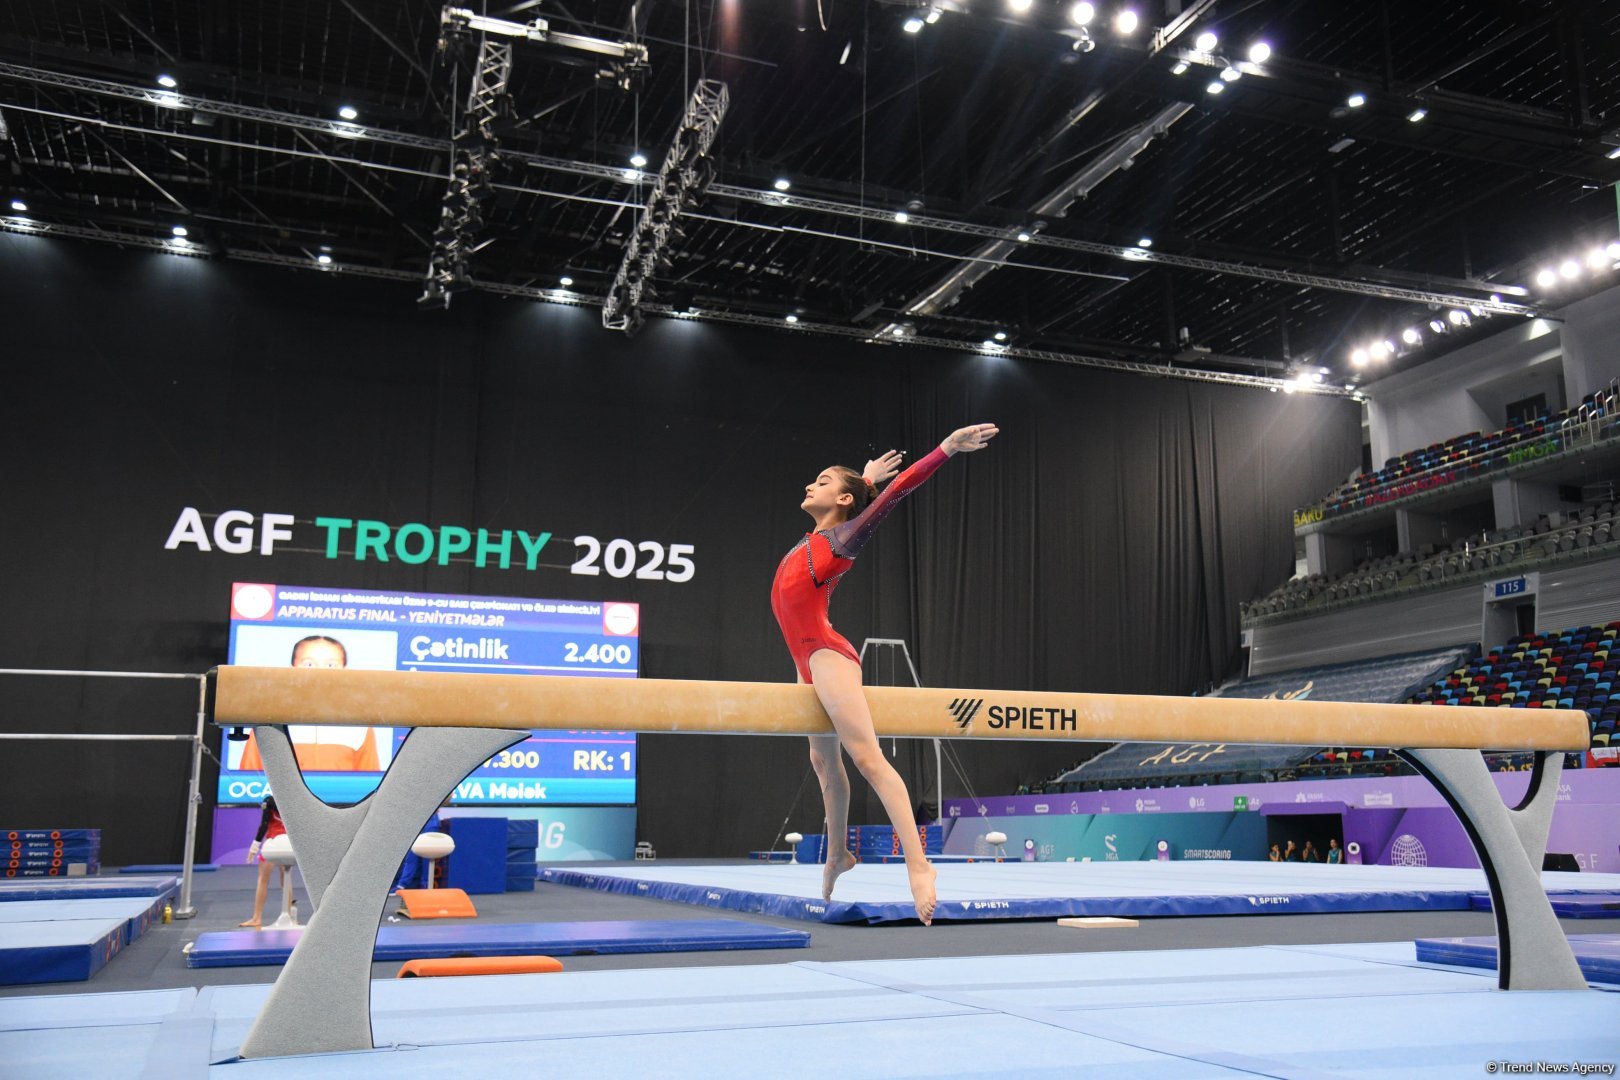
(322, 748)
(1335, 853)
(1291, 852)
(1310, 854)
(270, 827)
(1276, 854)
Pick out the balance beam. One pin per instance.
(321, 1001)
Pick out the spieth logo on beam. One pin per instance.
(964, 709)
(1000, 717)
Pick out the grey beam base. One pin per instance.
(1532, 952)
(321, 1003)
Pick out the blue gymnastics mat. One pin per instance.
(418, 941)
(167, 868)
(1356, 1012)
(70, 950)
(1571, 905)
(86, 888)
(1017, 890)
(138, 913)
(1597, 954)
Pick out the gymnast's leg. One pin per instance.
(829, 766)
(837, 680)
(259, 894)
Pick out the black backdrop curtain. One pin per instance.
(1102, 543)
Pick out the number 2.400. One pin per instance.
(619, 558)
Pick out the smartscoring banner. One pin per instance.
(307, 626)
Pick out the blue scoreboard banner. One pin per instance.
(307, 626)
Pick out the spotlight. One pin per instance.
(1614, 154)
(1613, 251)
(638, 160)
(629, 174)
(1358, 357)
(1207, 41)
(566, 282)
(1290, 386)
(1411, 336)
(1259, 52)
(168, 82)
(181, 232)
(349, 112)
(901, 216)
(1438, 325)
(791, 319)
(1215, 87)
(324, 260)
(1019, 7)
(168, 99)
(1230, 74)
(1317, 376)
(912, 25)
(1126, 21)
(1024, 237)
(1597, 259)
(1379, 350)
(1496, 298)
(19, 206)
(1082, 13)
(1457, 317)
(1001, 335)
(1570, 269)
(931, 18)
(1145, 242)
(1546, 277)
(1356, 101)
(1180, 68)
(782, 184)
(1417, 114)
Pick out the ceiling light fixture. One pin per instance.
(349, 112)
(1356, 101)
(1259, 52)
(1082, 13)
(1126, 21)
(1417, 114)
(1207, 41)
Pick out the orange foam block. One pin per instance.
(481, 965)
(436, 904)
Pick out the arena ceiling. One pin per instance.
(1388, 163)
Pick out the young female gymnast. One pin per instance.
(847, 510)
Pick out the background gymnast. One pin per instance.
(847, 510)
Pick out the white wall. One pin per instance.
(1591, 340)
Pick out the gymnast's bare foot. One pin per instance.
(922, 890)
(836, 865)
(251, 923)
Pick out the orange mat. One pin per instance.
(480, 965)
(436, 904)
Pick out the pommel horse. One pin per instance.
(321, 1002)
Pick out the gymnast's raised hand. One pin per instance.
(847, 509)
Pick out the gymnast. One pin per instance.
(847, 510)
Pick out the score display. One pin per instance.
(310, 626)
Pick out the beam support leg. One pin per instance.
(1532, 952)
(321, 1003)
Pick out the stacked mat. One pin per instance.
(522, 842)
(50, 852)
(871, 843)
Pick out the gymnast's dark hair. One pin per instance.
(301, 642)
(856, 485)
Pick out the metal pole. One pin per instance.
(188, 859)
(37, 736)
(100, 674)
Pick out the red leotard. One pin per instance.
(807, 574)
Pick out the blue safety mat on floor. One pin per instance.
(1595, 905)
(418, 941)
(66, 951)
(167, 868)
(1018, 890)
(86, 888)
(1306, 1012)
(1597, 954)
(138, 913)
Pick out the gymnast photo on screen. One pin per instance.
(322, 749)
(847, 510)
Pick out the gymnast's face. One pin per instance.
(321, 654)
(825, 493)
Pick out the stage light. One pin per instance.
(1597, 259)
(324, 260)
(1614, 154)
(1356, 101)
(1546, 277)
(565, 281)
(1380, 350)
(1082, 13)
(782, 184)
(1290, 386)
(1019, 7)
(1126, 21)
(1613, 251)
(181, 232)
(1259, 52)
(1180, 68)
(168, 82)
(349, 112)
(629, 174)
(19, 206)
(1569, 269)
(1001, 335)
(638, 160)
(932, 17)
(1457, 317)
(1411, 335)
(1024, 237)
(1215, 87)
(1207, 41)
(1438, 325)
(901, 216)
(1358, 357)
(791, 319)
(1145, 242)
(912, 25)
(1417, 114)
(1230, 74)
